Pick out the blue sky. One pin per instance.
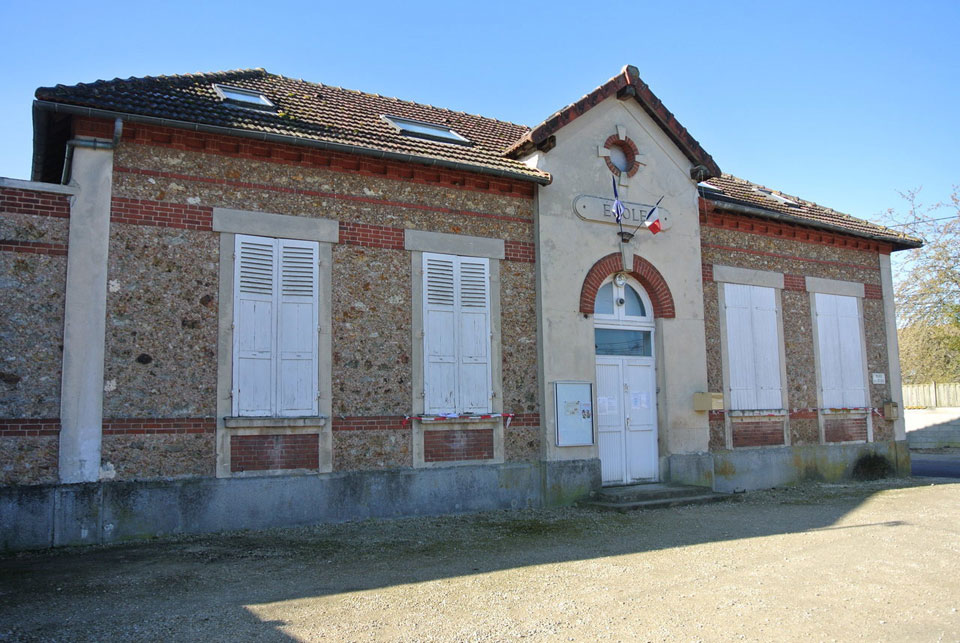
(842, 103)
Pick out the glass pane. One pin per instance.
(619, 158)
(245, 97)
(634, 304)
(622, 342)
(603, 305)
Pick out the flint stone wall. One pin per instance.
(162, 305)
(758, 252)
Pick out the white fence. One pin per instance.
(931, 395)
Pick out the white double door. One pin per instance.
(627, 419)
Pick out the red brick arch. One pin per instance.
(643, 271)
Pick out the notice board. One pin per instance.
(574, 413)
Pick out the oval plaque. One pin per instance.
(600, 210)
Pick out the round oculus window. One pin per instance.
(619, 158)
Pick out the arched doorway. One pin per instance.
(626, 382)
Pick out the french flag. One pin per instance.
(652, 220)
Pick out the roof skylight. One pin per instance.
(775, 197)
(243, 97)
(421, 129)
(709, 188)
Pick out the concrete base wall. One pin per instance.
(934, 428)
(106, 512)
(763, 468)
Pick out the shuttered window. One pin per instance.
(753, 347)
(842, 378)
(456, 334)
(275, 369)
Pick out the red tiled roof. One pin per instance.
(332, 115)
(730, 189)
(308, 111)
(625, 85)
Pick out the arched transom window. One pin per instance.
(619, 300)
(623, 316)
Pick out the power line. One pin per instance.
(900, 225)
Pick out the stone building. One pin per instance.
(238, 300)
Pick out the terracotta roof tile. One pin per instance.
(731, 189)
(305, 110)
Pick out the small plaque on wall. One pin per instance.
(574, 413)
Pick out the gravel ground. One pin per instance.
(866, 561)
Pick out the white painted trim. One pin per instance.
(285, 226)
(453, 244)
(37, 186)
(417, 400)
(748, 277)
(835, 287)
(895, 381)
(225, 303)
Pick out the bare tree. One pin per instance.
(927, 285)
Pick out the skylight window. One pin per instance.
(775, 197)
(703, 185)
(243, 97)
(430, 131)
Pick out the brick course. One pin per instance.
(141, 426)
(712, 217)
(29, 427)
(33, 247)
(452, 445)
(299, 155)
(273, 452)
(757, 433)
(371, 236)
(519, 251)
(369, 423)
(161, 214)
(46, 204)
(845, 429)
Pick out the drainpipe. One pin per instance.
(95, 144)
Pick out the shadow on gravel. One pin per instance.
(202, 587)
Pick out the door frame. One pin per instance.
(620, 321)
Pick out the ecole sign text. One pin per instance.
(600, 209)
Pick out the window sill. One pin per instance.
(758, 413)
(273, 422)
(459, 419)
(853, 410)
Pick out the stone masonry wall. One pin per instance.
(33, 268)
(796, 259)
(162, 304)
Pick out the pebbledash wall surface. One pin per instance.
(116, 379)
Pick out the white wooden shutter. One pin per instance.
(753, 347)
(298, 318)
(474, 336)
(766, 348)
(841, 355)
(254, 336)
(439, 333)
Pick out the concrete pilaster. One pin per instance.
(893, 346)
(81, 400)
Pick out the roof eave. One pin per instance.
(79, 110)
(740, 207)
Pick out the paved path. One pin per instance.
(942, 465)
(874, 562)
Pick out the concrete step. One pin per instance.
(652, 496)
(660, 503)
